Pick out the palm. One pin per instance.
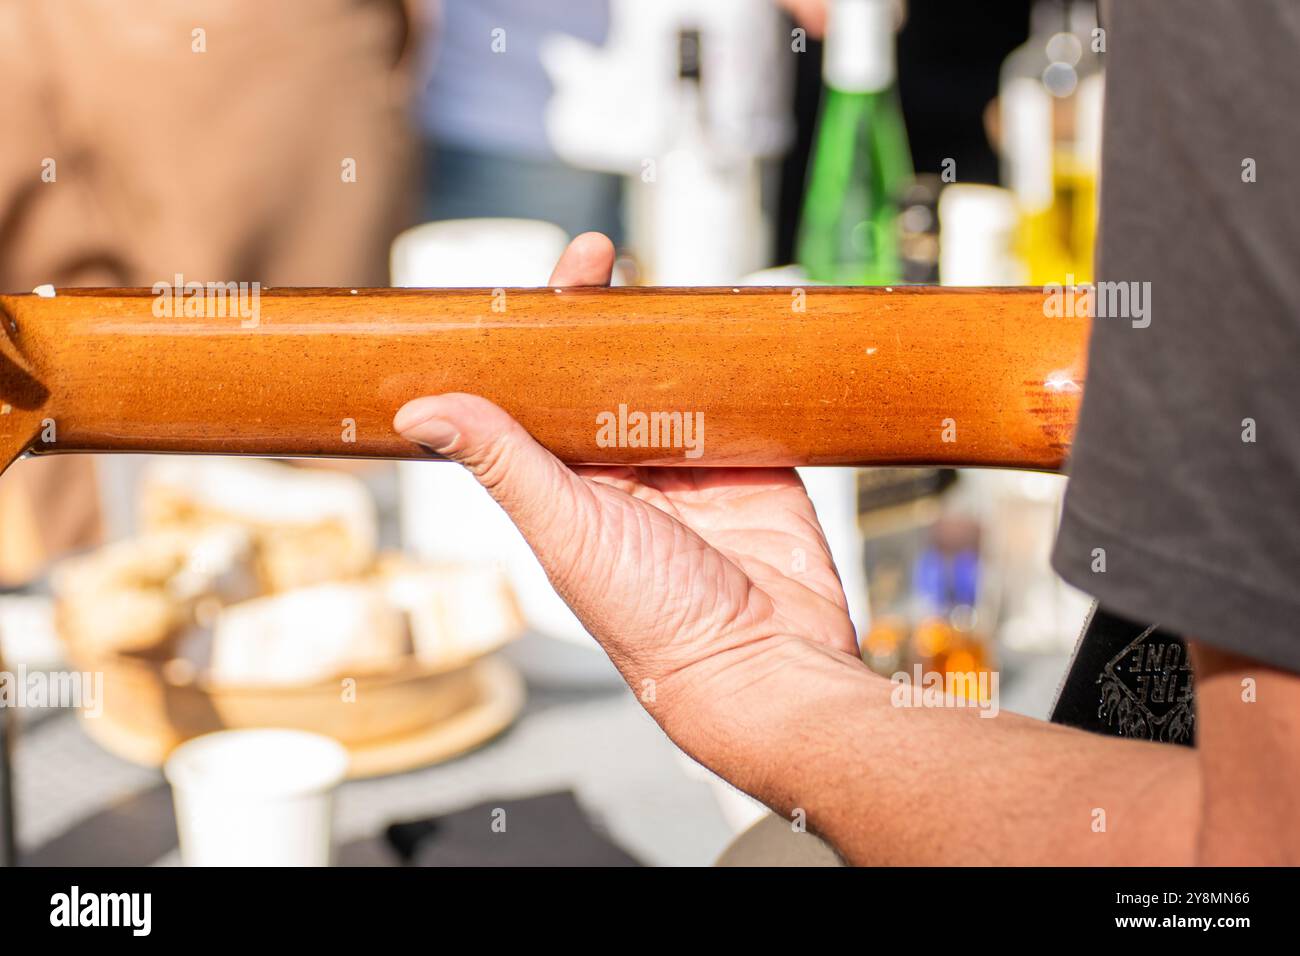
(734, 552)
(667, 567)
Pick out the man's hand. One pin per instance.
(687, 577)
(714, 593)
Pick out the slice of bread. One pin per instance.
(454, 612)
(306, 636)
(138, 594)
(309, 526)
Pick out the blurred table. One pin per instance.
(79, 805)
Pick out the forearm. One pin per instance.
(1248, 740)
(915, 785)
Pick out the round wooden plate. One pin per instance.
(492, 694)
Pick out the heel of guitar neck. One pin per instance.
(22, 395)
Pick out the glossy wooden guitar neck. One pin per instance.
(704, 377)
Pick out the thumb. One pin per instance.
(546, 500)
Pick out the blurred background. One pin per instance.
(391, 608)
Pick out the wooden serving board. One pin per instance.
(495, 700)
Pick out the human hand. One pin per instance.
(699, 583)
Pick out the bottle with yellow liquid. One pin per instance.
(1049, 105)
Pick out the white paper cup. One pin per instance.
(256, 797)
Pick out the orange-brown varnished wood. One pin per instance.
(857, 376)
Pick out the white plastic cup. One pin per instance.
(256, 797)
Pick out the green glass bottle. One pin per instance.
(861, 164)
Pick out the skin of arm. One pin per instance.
(750, 665)
(889, 785)
(1248, 744)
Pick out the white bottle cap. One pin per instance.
(859, 53)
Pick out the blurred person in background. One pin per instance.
(241, 141)
(486, 150)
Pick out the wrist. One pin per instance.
(759, 716)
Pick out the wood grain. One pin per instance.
(907, 376)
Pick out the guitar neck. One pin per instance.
(703, 377)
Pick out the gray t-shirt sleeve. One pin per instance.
(1183, 507)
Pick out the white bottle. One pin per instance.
(702, 203)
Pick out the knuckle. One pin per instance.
(491, 463)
